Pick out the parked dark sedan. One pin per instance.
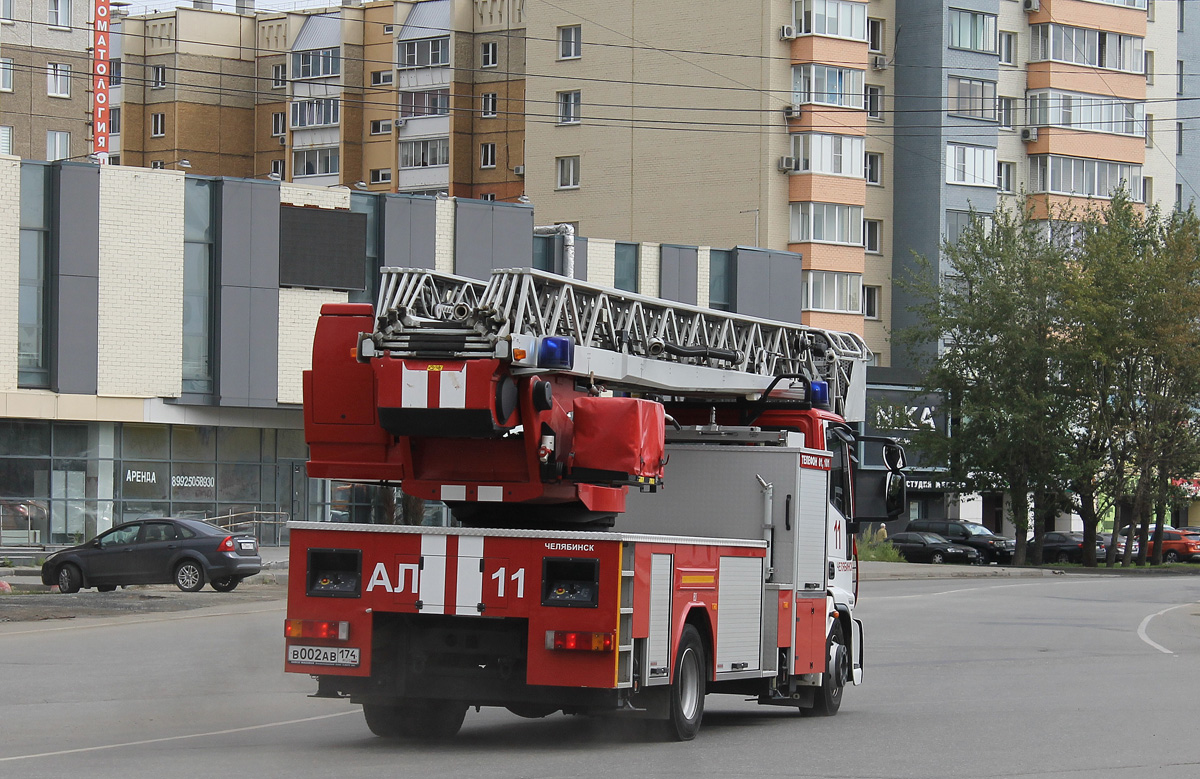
(1060, 547)
(931, 548)
(187, 552)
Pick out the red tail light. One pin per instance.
(226, 545)
(579, 641)
(312, 628)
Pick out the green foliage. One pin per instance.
(874, 546)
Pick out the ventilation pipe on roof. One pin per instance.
(568, 233)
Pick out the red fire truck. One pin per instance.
(651, 502)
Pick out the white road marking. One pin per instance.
(139, 619)
(174, 738)
(1141, 631)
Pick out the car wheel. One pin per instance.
(69, 578)
(937, 558)
(1171, 556)
(106, 588)
(687, 687)
(432, 720)
(1063, 557)
(226, 584)
(189, 576)
(829, 695)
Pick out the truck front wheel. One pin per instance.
(687, 687)
(829, 695)
(430, 720)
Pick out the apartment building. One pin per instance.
(45, 108)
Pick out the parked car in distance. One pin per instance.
(1178, 544)
(931, 548)
(1107, 538)
(1067, 547)
(991, 547)
(188, 552)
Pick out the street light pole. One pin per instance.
(754, 211)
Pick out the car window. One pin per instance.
(186, 532)
(1054, 538)
(932, 538)
(126, 534)
(158, 531)
(970, 528)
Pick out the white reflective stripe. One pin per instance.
(433, 575)
(454, 492)
(453, 389)
(494, 494)
(414, 388)
(469, 592)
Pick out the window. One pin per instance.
(1004, 112)
(1180, 16)
(431, 102)
(1082, 177)
(832, 17)
(1179, 138)
(568, 172)
(958, 221)
(278, 124)
(570, 43)
(1006, 174)
(322, 112)
(6, 11)
(489, 57)
(834, 155)
(114, 69)
(1008, 48)
(1179, 196)
(1097, 113)
(380, 78)
(58, 80)
(830, 291)
(873, 97)
(568, 107)
(6, 139)
(827, 85)
(1148, 59)
(33, 361)
(157, 165)
(974, 165)
(316, 63)
(158, 125)
(158, 76)
(198, 248)
(381, 126)
(827, 223)
(873, 168)
(488, 197)
(315, 162)
(973, 98)
(720, 279)
(973, 31)
(59, 13)
(277, 167)
(6, 74)
(1079, 46)
(626, 269)
(487, 155)
(873, 236)
(381, 176)
(427, 153)
(1149, 131)
(1179, 77)
(875, 36)
(1147, 189)
(58, 145)
(278, 76)
(871, 302)
(487, 105)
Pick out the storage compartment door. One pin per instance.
(739, 614)
(658, 647)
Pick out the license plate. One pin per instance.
(246, 544)
(323, 655)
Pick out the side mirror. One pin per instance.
(896, 495)
(94, 543)
(893, 457)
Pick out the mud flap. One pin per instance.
(856, 650)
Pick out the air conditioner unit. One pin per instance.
(283, 140)
(789, 164)
(1030, 6)
(787, 32)
(879, 62)
(519, 170)
(791, 112)
(1029, 134)
(399, 122)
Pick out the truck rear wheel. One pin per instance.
(429, 720)
(687, 687)
(829, 696)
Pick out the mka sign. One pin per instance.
(101, 119)
(900, 414)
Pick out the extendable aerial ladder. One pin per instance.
(628, 341)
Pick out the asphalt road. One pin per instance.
(1069, 676)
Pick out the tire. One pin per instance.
(1063, 557)
(189, 576)
(531, 710)
(106, 588)
(425, 720)
(69, 578)
(687, 687)
(829, 696)
(1171, 556)
(937, 558)
(226, 584)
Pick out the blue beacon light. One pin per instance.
(820, 394)
(556, 351)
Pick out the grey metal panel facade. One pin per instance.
(490, 235)
(248, 294)
(678, 273)
(76, 306)
(409, 232)
(769, 283)
(581, 252)
(1187, 163)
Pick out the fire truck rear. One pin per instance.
(652, 502)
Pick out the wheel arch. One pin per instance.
(697, 616)
(84, 580)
